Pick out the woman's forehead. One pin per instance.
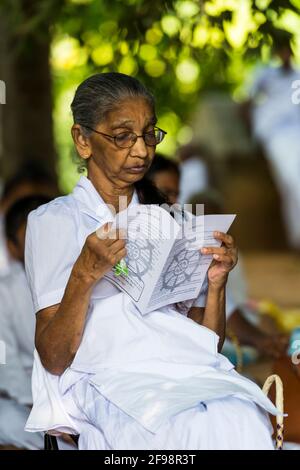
(131, 111)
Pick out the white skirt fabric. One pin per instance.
(159, 377)
(224, 424)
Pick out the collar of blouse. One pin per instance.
(91, 203)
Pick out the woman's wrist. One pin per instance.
(216, 287)
(81, 280)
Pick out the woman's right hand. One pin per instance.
(101, 251)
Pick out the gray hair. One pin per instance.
(101, 93)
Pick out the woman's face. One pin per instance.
(122, 167)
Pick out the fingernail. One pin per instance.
(204, 250)
(216, 256)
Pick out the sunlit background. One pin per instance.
(180, 49)
(200, 59)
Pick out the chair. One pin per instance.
(50, 442)
(279, 404)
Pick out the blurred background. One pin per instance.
(226, 79)
(203, 60)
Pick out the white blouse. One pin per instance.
(122, 353)
(56, 233)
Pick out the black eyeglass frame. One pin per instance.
(133, 133)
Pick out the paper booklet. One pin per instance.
(164, 263)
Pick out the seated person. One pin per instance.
(29, 180)
(17, 327)
(197, 172)
(165, 175)
(119, 379)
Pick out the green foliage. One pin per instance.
(178, 48)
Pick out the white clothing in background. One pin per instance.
(276, 123)
(274, 110)
(283, 150)
(193, 178)
(17, 325)
(13, 417)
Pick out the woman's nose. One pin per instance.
(139, 149)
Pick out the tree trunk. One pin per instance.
(26, 118)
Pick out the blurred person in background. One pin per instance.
(196, 173)
(240, 322)
(17, 326)
(275, 121)
(166, 176)
(30, 179)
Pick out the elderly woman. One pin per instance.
(102, 370)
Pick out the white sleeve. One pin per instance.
(51, 250)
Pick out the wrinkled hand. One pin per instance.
(224, 259)
(102, 250)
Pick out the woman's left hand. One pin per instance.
(224, 259)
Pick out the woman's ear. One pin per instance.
(81, 142)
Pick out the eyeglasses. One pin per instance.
(126, 140)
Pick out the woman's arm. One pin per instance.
(60, 327)
(224, 260)
(213, 315)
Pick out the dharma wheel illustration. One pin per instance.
(139, 255)
(181, 269)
